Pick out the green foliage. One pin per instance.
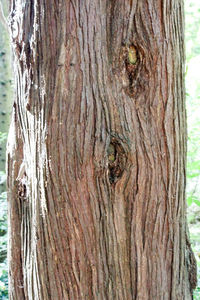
(196, 249)
(3, 137)
(192, 14)
(3, 247)
(3, 281)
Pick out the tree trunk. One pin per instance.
(97, 150)
(6, 89)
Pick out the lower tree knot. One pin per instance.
(116, 159)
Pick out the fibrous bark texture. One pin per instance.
(96, 151)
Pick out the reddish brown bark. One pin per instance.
(96, 175)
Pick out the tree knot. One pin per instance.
(116, 159)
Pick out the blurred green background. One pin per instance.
(192, 35)
(192, 32)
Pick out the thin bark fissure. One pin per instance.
(101, 111)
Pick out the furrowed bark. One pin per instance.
(99, 167)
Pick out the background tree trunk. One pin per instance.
(96, 151)
(6, 89)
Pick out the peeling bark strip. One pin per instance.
(99, 133)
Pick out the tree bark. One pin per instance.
(97, 151)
